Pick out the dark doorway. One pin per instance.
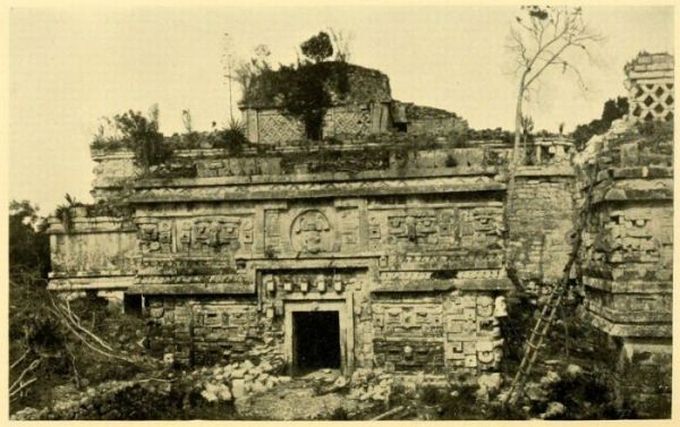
(132, 304)
(316, 340)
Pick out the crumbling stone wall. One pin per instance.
(96, 253)
(114, 173)
(627, 256)
(421, 120)
(271, 126)
(541, 221)
(628, 259)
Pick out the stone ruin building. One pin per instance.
(388, 246)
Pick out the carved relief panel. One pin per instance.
(481, 226)
(272, 232)
(232, 321)
(155, 236)
(311, 233)
(634, 237)
(408, 335)
(214, 234)
(417, 230)
(407, 320)
(349, 228)
(472, 331)
(207, 234)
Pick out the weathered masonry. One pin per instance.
(628, 255)
(383, 251)
(406, 263)
(382, 244)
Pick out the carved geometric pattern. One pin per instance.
(651, 101)
(414, 321)
(276, 128)
(472, 334)
(349, 122)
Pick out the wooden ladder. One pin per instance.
(557, 292)
(535, 342)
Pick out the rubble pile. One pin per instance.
(267, 354)
(152, 398)
(237, 380)
(371, 384)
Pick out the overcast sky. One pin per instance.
(68, 67)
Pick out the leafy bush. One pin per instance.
(499, 134)
(318, 47)
(232, 138)
(29, 244)
(41, 347)
(132, 130)
(431, 395)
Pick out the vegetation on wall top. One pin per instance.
(136, 132)
(613, 109)
(305, 90)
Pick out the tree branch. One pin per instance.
(18, 383)
(66, 311)
(18, 361)
(86, 342)
(549, 62)
(22, 386)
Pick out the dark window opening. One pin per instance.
(401, 126)
(316, 340)
(132, 304)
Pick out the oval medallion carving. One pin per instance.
(311, 232)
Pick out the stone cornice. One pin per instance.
(369, 175)
(301, 190)
(444, 285)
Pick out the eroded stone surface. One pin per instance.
(405, 242)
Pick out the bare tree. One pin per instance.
(543, 37)
(527, 128)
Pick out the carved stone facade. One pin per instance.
(395, 252)
(627, 254)
(410, 261)
(650, 86)
(628, 262)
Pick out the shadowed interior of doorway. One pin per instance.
(316, 340)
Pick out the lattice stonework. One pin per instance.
(274, 127)
(650, 85)
(354, 121)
